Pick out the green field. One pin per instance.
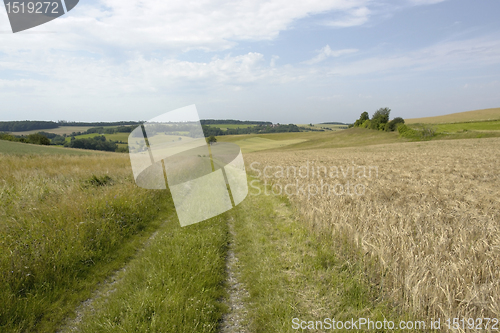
(467, 126)
(333, 127)
(230, 126)
(114, 137)
(8, 147)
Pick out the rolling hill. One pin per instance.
(459, 117)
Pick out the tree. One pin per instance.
(364, 117)
(38, 139)
(211, 139)
(380, 118)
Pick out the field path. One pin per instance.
(234, 320)
(104, 290)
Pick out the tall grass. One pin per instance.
(431, 219)
(61, 231)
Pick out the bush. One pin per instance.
(393, 124)
(426, 133)
(38, 139)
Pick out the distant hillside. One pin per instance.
(460, 117)
(233, 122)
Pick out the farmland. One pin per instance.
(225, 127)
(428, 217)
(459, 117)
(383, 228)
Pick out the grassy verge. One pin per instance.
(175, 285)
(67, 223)
(292, 272)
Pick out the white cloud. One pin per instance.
(352, 17)
(181, 25)
(327, 52)
(425, 2)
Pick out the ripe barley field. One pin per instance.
(426, 217)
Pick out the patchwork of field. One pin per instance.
(460, 117)
(333, 127)
(114, 137)
(60, 130)
(425, 212)
(230, 126)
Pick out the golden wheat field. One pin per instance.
(428, 213)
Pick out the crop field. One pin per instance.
(459, 117)
(256, 144)
(426, 213)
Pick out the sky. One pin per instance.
(285, 61)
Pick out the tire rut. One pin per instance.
(236, 320)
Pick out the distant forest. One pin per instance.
(30, 125)
(233, 122)
(26, 125)
(215, 131)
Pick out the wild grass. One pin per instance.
(290, 272)
(66, 223)
(430, 219)
(174, 285)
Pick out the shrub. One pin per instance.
(393, 124)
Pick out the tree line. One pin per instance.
(260, 129)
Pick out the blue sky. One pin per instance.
(283, 61)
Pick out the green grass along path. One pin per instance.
(179, 282)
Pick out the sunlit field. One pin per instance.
(427, 213)
(66, 221)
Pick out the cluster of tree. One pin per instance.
(379, 121)
(94, 143)
(260, 129)
(26, 125)
(55, 139)
(233, 122)
(37, 138)
(98, 124)
(312, 129)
